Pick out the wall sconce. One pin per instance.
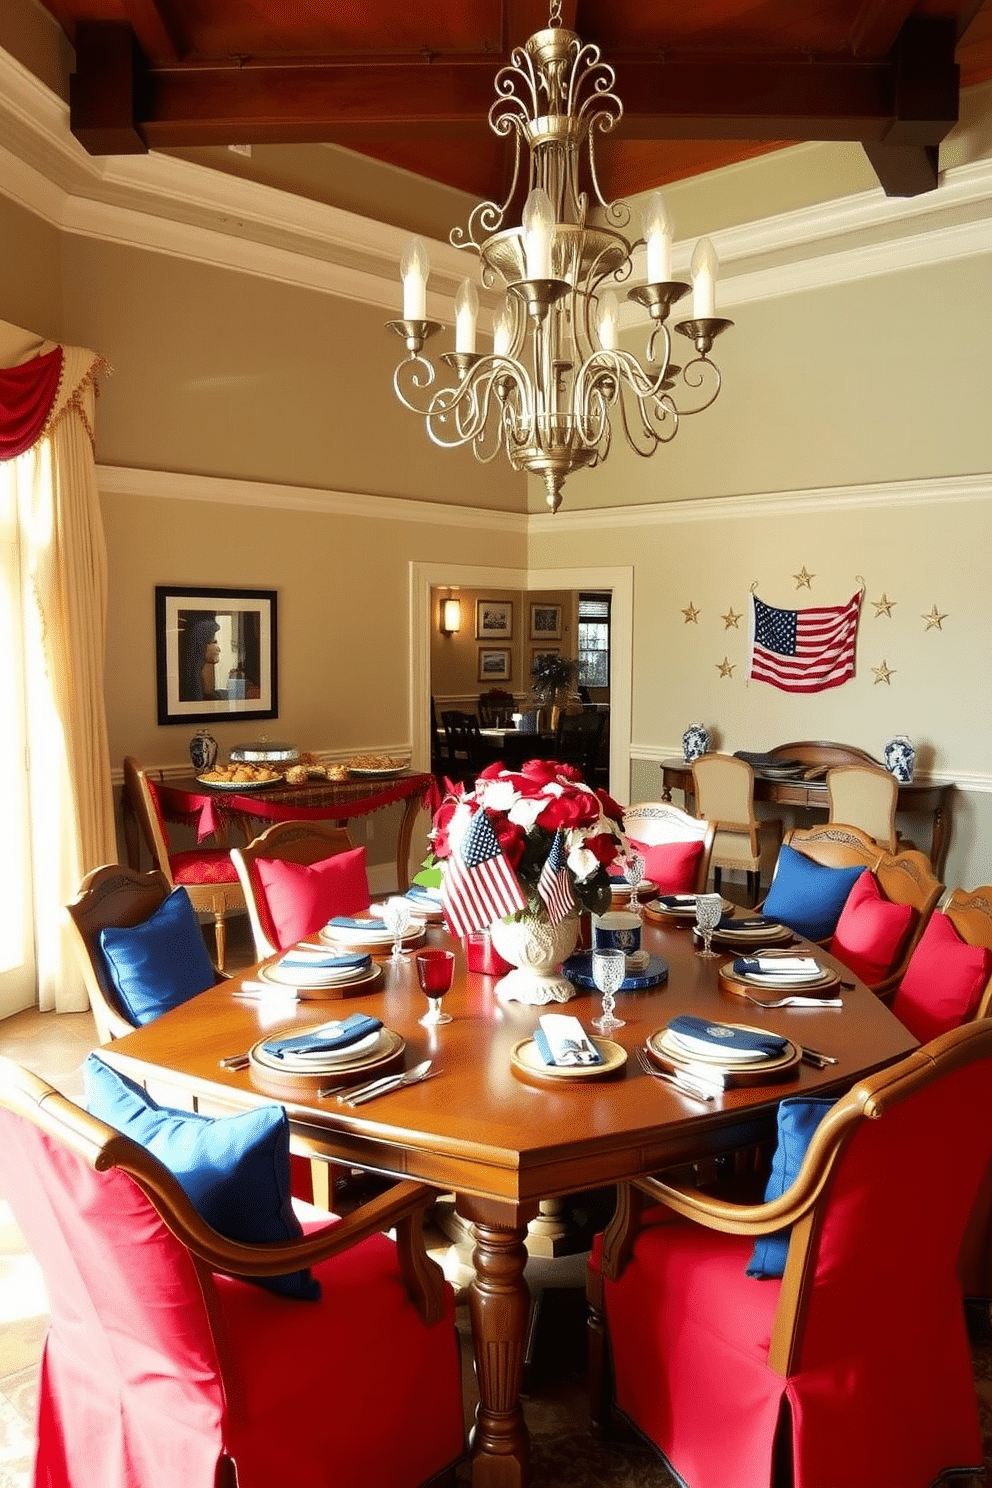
(451, 616)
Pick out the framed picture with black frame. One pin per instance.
(216, 653)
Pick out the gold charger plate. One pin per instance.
(381, 1061)
(779, 935)
(664, 916)
(525, 1059)
(377, 947)
(728, 976)
(768, 1072)
(330, 990)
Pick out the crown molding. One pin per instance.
(160, 204)
(166, 485)
(879, 494)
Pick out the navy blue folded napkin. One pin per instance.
(782, 968)
(323, 961)
(329, 1036)
(677, 901)
(718, 1038)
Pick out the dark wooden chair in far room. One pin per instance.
(797, 1359)
(578, 738)
(464, 744)
(165, 1367)
(496, 708)
(206, 873)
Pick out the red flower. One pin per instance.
(510, 838)
(573, 809)
(604, 846)
(491, 772)
(442, 818)
(540, 770)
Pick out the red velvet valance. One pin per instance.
(26, 397)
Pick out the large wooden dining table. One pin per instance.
(500, 1141)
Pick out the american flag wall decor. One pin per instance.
(804, 650)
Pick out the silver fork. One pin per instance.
(682, 1083)
(350, 1092)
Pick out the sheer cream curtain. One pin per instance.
(63, 579)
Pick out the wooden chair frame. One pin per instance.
(294, 842)
(903, 877)
(118, 897)
(658, 822)
(802, 1206)
(219, 899)
(103, 1147)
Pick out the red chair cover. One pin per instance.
(154, 1368)
(882, 1391)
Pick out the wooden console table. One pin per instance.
(919, 798)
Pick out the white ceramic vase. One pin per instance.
(536, 948)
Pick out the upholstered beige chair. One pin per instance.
(723, 786)
(865, 798)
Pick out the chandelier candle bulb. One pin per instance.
(466, 314)
(658, 240)
(538, 221)
(609, 321)
(414, 270)
(704, 270)
(502, 333)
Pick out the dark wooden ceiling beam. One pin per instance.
(119, 103)
(877, 26)
(158, 31)
(926, 85)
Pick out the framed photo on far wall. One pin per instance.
(545, 622)
(215, 653)
(493, 619)
(494, 664)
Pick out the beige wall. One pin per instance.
(224, 374)
(30, 272)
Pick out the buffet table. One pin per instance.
(209, 811)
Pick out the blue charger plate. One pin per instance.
(578, 969)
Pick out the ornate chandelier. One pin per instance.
(556, 375)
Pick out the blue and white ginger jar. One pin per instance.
(900, 758)
(203, 751)
(695, 741)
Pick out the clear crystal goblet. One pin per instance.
(399, 920)
(709, 910)
(609, 967)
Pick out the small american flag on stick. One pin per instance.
(479, 886)
(554, 886)
(804, 650)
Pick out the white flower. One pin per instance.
(458, 825)
(524, 813)
(496, 795)
(582, 863)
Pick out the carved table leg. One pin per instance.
(411, 810)
(499, 1304)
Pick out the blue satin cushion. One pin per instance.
(798, 1118)
(158, 964)
(807, 896)
(234, 1169)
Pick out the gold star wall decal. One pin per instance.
(883, 606)
(883, 673)
(934, 619)
(731, 618)
(726, 667)
(691, 614)
(803, 579)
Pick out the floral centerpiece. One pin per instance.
(543, 810)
